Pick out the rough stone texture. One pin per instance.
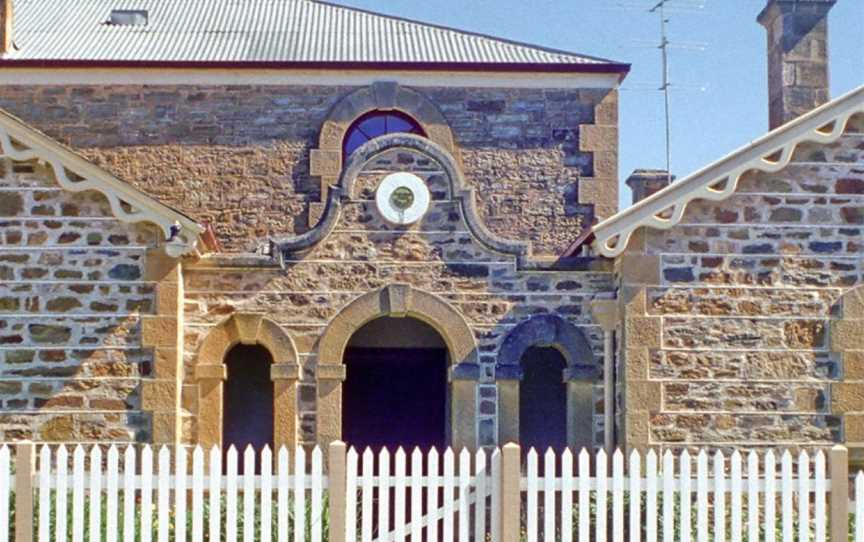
(238, 156)
(797, 57)
(750, 305)
(71, 297)
(363, 254)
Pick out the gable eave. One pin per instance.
(719, 180)
(20, 141)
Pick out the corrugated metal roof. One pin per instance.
(260, 31)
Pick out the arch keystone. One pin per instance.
(398, 299)
(246, 325)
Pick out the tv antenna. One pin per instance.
(664, 9)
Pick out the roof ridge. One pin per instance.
(438, 26)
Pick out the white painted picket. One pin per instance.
(450, 500)
(678, 499)
(5, 490)
(158, 495)
(97, 506)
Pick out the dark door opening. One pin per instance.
(395, 397)
(247, 408)
(543, 400)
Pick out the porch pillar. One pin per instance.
(463, 406)
(329, 407)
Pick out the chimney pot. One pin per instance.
(645, 182)
(797, 57)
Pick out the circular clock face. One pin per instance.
(402, 198)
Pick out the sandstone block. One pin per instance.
(853, 303)
(636, 363)
(639, 269)
(159, 395)
(325, 162)
(853, 426)
(644, 395)
(159, 331)
(160, 267)
(846, 397)
(593, 137)
(853, 365)
(643, 331)
(847, 335)
(211, 372)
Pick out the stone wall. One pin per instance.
(238, 156)
(727, 317)
(438, 255)
(71, 296)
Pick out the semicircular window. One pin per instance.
(376, 124)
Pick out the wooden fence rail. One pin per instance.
(112, 495)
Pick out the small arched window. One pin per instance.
(247, 408)
(543, 400)
(376, 124)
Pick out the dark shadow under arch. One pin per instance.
(248, 398)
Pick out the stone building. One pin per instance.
(294, 222)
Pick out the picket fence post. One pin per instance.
(25, 469)
(337, 487)
(511, 493)
(839, 518)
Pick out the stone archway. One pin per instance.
(548, 330)
(400, 300)
(210, 374)
(325, 161)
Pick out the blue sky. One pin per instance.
(706, 125)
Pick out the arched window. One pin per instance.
(543, 400)
(376, 124)
(248, 399)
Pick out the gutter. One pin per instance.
(507, 67)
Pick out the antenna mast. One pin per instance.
(660, 8)
(663, 8)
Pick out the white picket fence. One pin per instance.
(156, 496)
(684, 498)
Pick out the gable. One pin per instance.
(720, 180)
(20, 142)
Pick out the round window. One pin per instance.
(402, 198)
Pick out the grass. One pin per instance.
(172, 519)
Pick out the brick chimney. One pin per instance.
(644, 182)
(797, 57)
(5, 26)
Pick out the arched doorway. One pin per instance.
(543, 400)
(395, 392)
